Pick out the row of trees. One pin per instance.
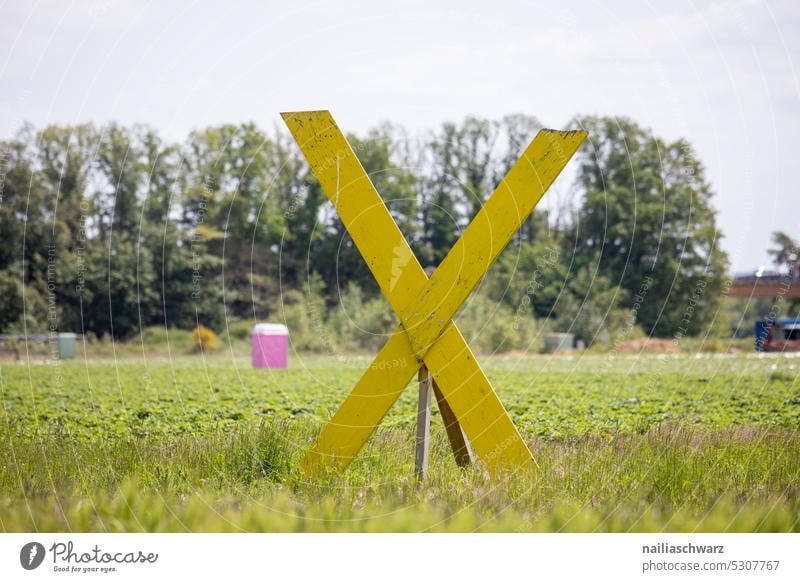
(110, 230)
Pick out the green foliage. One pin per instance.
(238, 330)
(623, 444)
(304, 313)
(158, 338)
(359, 323)
(124, 231)
(491, 326)
(785, 252)
(536, 281)
(592, 309)
(786, 257)
(647, 213)
(18, 299)
(605, 395)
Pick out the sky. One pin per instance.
(723, 75)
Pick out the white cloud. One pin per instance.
(721, 74)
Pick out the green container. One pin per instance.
(65, 342)
(558, 342)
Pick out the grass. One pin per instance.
(652, 443)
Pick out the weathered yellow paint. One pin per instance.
(364, 408)
(359, 206)
(424, 306)
(466, 388)
(488, 234)
(492, 434)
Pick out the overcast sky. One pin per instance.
(721, 74)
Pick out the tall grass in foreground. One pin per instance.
(672, 478)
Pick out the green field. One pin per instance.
(650, 443)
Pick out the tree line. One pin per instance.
(109, 230)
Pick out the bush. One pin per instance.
(11, 306)
(237, 330)
(204, 339)
(158, 337)
(303, 312)
(592, 310)
(491, 326)
(359, 324)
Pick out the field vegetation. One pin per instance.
(205, 443)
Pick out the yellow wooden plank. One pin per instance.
(364, 408)
(380, 242)
(492, 434)
(486, 423)
(488, 234)
(431, 304)
(460, 379)
(459, 443)
(383, 246)
(360, 207)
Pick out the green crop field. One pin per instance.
(650, 443)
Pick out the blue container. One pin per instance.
(777, 330)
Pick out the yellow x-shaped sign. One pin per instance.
(426, 334)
